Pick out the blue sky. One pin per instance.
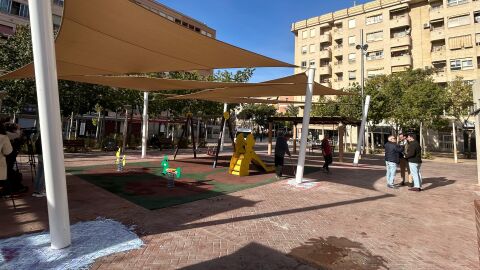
(262, 26)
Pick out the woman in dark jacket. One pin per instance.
(392, 158)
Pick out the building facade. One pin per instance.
(440, 34)
(15, 12)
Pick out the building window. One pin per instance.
(60, 3)
(456, 43)
(311, 63)
(476, 16)
(313, 32)
(477, 39)
(461, 64)
(57, 20)
(18, 9)
(352, 23)
(352, 75)
(374, 19)
(375, 55)
(312, 48)
(5, 5)
(305, 34)
(339, 77)
(436, 6)
(304, 49)
(375, 36)
(374, 72)
(456, 2)
(458, 20)
(351, 41)
(304, 64)
(352, 57)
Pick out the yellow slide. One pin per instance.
(244, 154)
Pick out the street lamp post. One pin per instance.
(362, 47)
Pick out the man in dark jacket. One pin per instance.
(392, 158)
(414, 157)
(281, 148)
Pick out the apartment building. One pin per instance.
(440, 34)
(15, 12)
(443, 35)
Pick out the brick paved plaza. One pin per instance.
(348, 221)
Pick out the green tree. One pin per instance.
(15, 53)
(459, 98)
(326, 107)
(258, 113)
(292, 110)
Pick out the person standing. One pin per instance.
(414, 157)
(281, 148)
(404, 169)
(39, 182)
(392, 158)
(327, 152)
(5, 149)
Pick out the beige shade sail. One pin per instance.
(121, 37)
(251, 100)
(154, 84)
(294, 85)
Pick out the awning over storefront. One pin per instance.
(121, 37)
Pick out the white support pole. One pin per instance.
(305, 125)
(223, 133)
(361, 134)
(145, 124)
(454, 133)
(50, 122)
(476, 101)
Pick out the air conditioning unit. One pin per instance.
(426, 25)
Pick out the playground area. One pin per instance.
(255, 222)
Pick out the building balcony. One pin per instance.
(437, 34)
(338, 51)
(439, 55)
(401, 41)
(400, 21)
(326, 38)
(404, 60)
(338, 65)
(436, 14)
(325, 70)
(326, 84)
(337, 34)
(325, 54)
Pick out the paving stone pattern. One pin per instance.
(350, 220)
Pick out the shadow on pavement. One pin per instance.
(251, 257)
(436, 182)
